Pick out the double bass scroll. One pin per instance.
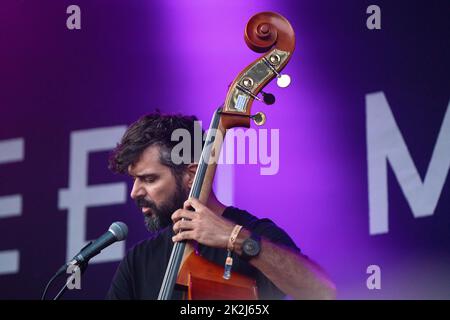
(271, 34)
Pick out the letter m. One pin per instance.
(385, 144)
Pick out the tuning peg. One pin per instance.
(259, 118)
(268, 98)
(283, 80)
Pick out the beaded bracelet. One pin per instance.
(230, 248)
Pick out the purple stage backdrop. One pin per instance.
(359, 143)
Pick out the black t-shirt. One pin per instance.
(141, 272)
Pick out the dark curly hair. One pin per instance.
(152, 129)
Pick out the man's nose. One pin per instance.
(137, 190)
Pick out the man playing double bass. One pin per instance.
(260, 249)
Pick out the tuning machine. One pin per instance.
(259, 118)
(283, 80)
(268, 98)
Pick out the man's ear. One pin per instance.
(190, 171)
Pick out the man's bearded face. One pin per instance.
(158, 216)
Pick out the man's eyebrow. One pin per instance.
(144, 175)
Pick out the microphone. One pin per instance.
(118, 231)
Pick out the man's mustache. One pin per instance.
(144, 203)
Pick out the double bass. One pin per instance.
(271, 34)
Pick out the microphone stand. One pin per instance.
(61, 271)
(118, 231)
(83, 266)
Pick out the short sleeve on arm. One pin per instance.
(268, 229)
